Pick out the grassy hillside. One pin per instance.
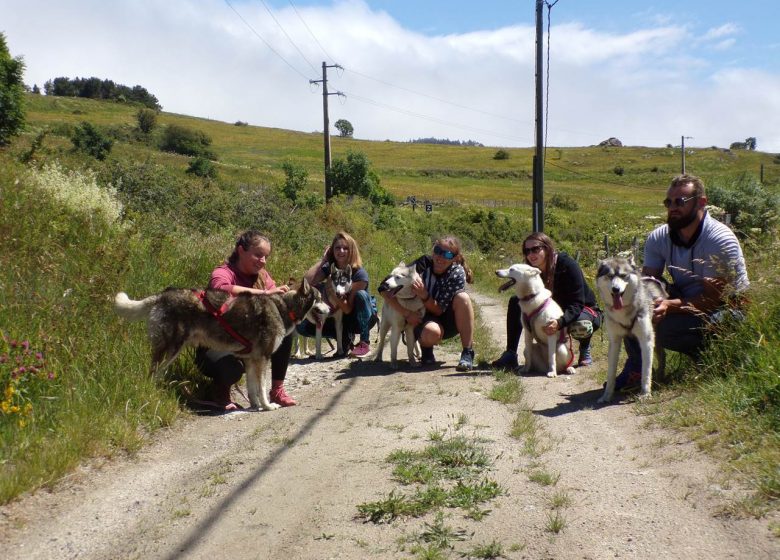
(75, 230)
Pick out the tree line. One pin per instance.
(448, 142)
(95, 88)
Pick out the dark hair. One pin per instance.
(549, 255)
(246, 241)
(682, 180)
(454, 242)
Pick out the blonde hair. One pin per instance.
(353, 252)
(454, 242)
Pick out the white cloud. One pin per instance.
(646, 86)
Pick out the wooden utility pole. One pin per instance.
(326, 123)
(537, 207)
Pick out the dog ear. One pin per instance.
(304, 288)
(348, 271)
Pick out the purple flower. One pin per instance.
(26, 344)
(51, 375)
(39, 356)
(3, 358)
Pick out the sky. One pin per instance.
(645, 72)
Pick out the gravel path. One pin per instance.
(286, 484)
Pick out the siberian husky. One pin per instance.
(628, 299)
(338, 284)
(399, 284)
(250, 326)
(542, 352)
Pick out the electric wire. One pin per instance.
(270, 13)
(547, 85)
(267, 44)
(327, 56)
(601, 179)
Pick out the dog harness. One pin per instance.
(217, 314)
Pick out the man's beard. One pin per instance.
(683, 221)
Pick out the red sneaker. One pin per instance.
(362, 349)
(279, 396)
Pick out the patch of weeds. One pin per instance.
(441, 535)
(384, 511)
(560, 499)
(468, 495)
(524, 424)
(428, 552)
(556, 522)
(508, 391)
(461, 422)
(544, 478)
(493, 549)
(477, 514)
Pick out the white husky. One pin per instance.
(399, 284)
(628, 299)
(542, 352)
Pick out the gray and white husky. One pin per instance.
(399, 284)
(542, 352)
(250, 326)
(338, 284)
(628, 300)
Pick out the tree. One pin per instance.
(88, 139)
(750, 143)
(11, 93)
(354, 176)
(147, 120)
(344, 127)
(295, 180)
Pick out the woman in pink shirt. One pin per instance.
(244, 271)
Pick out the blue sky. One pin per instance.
(645, 72)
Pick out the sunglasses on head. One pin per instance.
(535, 249)
(679, 202)
(443, 252)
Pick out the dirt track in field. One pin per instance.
(287, 483)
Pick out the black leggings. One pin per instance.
(514, 323)
(227, 369)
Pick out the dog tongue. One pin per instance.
(617, 301)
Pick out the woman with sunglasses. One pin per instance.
(359, 315)
(563, 277)
(448, 309)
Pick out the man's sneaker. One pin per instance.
(466, 362)
(628, 380)
(426, 356)
(508, 360)
(362, 349)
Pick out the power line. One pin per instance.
(267, 44)
(311, 32)
(428, 117)
(601, 179)
(270, 13)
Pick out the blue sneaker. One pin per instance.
(466, 362)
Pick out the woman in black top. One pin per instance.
(563, 277)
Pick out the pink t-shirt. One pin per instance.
(227, 275)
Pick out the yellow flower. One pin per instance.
(14, 409)
(28, 409)
(5, 406)
(9, 392)
(22, 422)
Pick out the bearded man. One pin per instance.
(707, 269)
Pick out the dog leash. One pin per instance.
(217, 314)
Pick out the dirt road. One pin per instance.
(286, 484)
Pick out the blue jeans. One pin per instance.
(360, 321)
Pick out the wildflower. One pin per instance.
(22, 422)
(28, 409)
(26, 344)
(3, 358)
(5, 406)
(51, 375)
(39, 356)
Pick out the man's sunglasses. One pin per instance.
(443, 252)
(535, 249)
(678, 202)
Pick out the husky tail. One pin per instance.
(131, 309)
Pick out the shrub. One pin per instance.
(11, 94)
(88, 139)
(296, 178)
(501, 154)
(353, 176)
(240, 123)
(202, 167)
(749, 203)
(618, 170)
(147, 120)
(186, 141)
(564, 202)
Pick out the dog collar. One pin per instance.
(292, 316)
(530, 297)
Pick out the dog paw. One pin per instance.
(272, 406)
(570, 370)
(644, 396)
(604, 399)
(552, 374)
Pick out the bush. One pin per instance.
(564, 202)
(186, 141)
(618, 170)
(88, 139)
(11, 94)
(353, 176)
(296, 178)
(501, 154)
(751, 206)
(202, 167)
(147, 120)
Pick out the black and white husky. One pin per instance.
(250, 326)
(628, 300)
(338, 284)
(399, 284)
(542, 352)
